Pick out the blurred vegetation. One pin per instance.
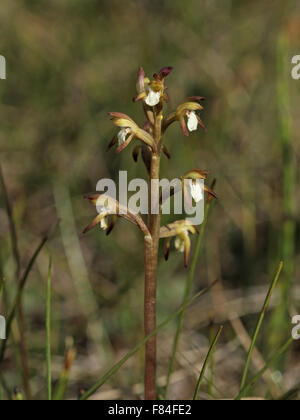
(69, 62)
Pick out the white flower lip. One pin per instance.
(122, 135)
(196, 191)
(102, 209)
(192, 121)
(153, 98)
(179, 245)
(103, 224)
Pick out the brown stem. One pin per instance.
(151, 264)
(150, 322)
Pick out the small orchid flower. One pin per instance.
(102, 210)
(105, 210)
(152, 92)
(190, 186)
(108, 207)
(187, 115)
(128, 131)
(181, 230)
(196, 189)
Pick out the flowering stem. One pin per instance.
(151, 265)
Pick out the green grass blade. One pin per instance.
(288, 164)
(48, 333)
(187, 292)
(18, 297)
(259, 324)
(275, 358)
(209, 355)
(62, 386)
(115, 368)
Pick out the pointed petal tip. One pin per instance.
(87, 229)
(166, 152)
(112, 143)
(165, 71)
(110, 229)
(90, 196)
(135, 154)
(196, 98)
(211, 193)
(167, 249)
(186, 260)
(141, 70)
(184, 127)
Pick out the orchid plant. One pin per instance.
(152, 94)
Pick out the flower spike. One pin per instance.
(107, 206)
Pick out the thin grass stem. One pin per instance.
(208, 357)
(259, 324)
(274, 359)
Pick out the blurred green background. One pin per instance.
(69, 62)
